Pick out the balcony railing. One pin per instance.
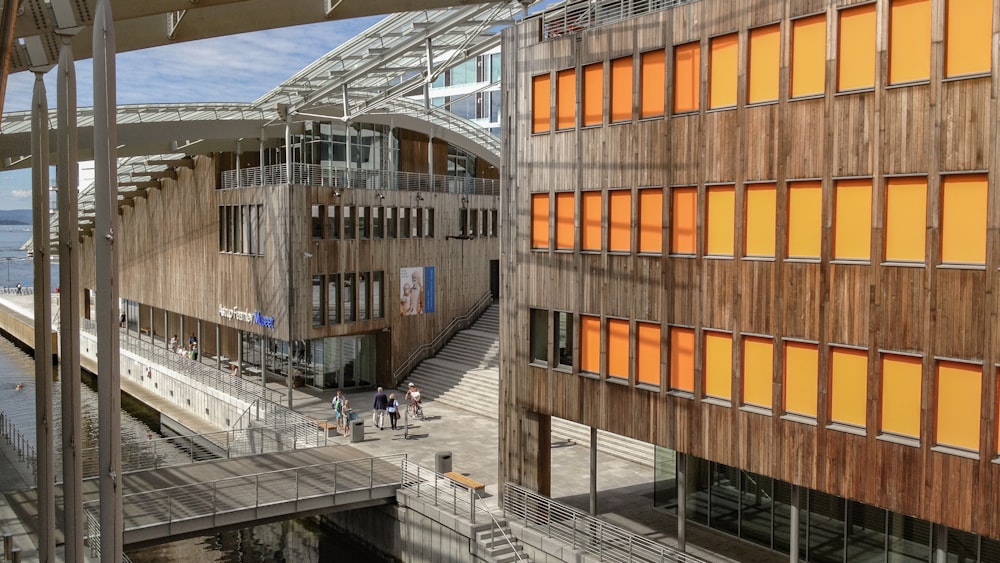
(390, 180)
(571, 17)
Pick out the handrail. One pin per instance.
(498, 527)
(303, 174)
(585, 532)
(427, 349)
(93, 538)
(23, 446)
(572, 17)
(439, 490)
(267, 488)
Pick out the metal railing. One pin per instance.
(390, 180)
(428, 349)
(439, 490)
(222, 380)
(571, 17)
(24, 446)
(92, 537)
(23, 290)
(249, 492)
(497, 526)
(584, 532)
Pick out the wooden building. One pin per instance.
(764, 236)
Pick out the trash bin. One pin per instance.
(442, 462)
(358, 430)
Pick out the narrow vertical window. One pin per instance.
(417, 222)
(566, 99)
(687, 77)
(621, 89)
(474, 222)
(900, 397)
(856, 48)
(539, 336)
(760, 225)
(758, 371)
(852, 221)
(378, 223)
(905, 219)
(651, 82)
(959, 401)
(333, 299)
(593, 94)
(808, 72)
(390, 222)
(722, 74)
(333, 222)
(378, 311)
(541, 106)
(494, 223)
(563, 337)
(651, 220)
(718, 365)
(805, 216)
(963, 219)
(590, 221)
(404, 222)
(721, 216)
(463, 221)
(909, 41)
(362, 222)
(620, 221)
(617, 348)
(801, 378)
(362, 292)
(429, 222)
(318, 218)
(647, 353)
(765, 63)
(681, 359)
(318, 314)
(968, 37)
(848, 386)
(540, 221)
(564, 220)
(683, 220)
(590, 344)
(349, 298)
(349, 231)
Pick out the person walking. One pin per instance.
(381, 404)
(393, 410)
(413, 396)
(338, 407)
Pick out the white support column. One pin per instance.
(593, 471)
(793, 526)
(105, 229)
(43, 321)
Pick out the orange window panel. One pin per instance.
(617, 349)
(620, 219)
(801, 378)
(682, 359)
(856, 48)
(683, 220)
(722, 74)
(564, 220)
(761, 213)
(590, 344)
(718, 365)
(621, 89)
(687, 77)
(593, 94)
(909, 41)
(566, 99)
(590, 220)
(647, 353)
(758, 371)
(651, 80)
(900, 397)
(852, 222)
(541, 103)
(968, 34)
(765, 63)
(905, 219)
(539, 220)
(805, 219)
(651, 220)
(959, 400)
(963, 219)
(808, 56)
(721, 220)
(848, 386)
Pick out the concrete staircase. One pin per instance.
(465, 374)
(500, 545)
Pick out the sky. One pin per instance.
(196, 71)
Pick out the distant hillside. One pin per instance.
(15, 217)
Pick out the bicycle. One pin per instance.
(418, 410)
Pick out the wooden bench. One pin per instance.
(465, 481)
(323, 424)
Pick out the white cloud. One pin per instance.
(24, 195)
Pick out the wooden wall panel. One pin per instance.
(685, 151)
(853, 126)
(718, 294)
(801, 292)
(803, 132)
(684, 291)
(960, 326)
(757, 292)
(651, 145)
(905, 130)
(760, 144)
(966, 141)
(901, 313)
(721, 146)
(850, 293)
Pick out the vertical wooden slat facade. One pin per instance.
(930, 129)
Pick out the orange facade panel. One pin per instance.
(687, 77)
(760, 223)
(621, 89)
(539, 221)
(856, 48)
(590, 221)
(765, 64)
(590, 344)
(566, 99)
(718, 365)
(651, 220)
(593, 94)
(900, 397)
(968, 37)
(720, 220)
(852, 220)
(959, 400)
(682, 359)
(541, 103)
(909, 41)
(808, 72)
(805, 219)
(565, 210)
(617, 348)
(963, 218)
(905, 219)
(758, 371)
(801, 378)
(723, 71)
(652, 83)
(647, 353)
(620, 221)
(683, 220)
(848, 386)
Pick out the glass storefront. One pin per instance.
(326, 363)
(831, 529)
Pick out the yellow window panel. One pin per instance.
(593, 94)
(758, 371)
(856, 48)
(900, 397)
(809, 56)
(905, 219)
(852, 222)
(718, 365)
(848, 386)
(621, 89)
(590, 224)
(651, 80)
(963, 219)
(564, 220)
(683, 220)
(968, 37)
(566, 99)
(651, 220)
(765, 59)
(617, 349)
(723, 71)
(909, 41)
(801, 378)
(620, 217)
(539, 221)
(721, 220)
(541, 106)
(590, 344)
(805, 219)
(959, 400)
(682, 359)
(687, 77)
(647, 351)
(760, 220)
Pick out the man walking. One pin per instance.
(381, 403)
